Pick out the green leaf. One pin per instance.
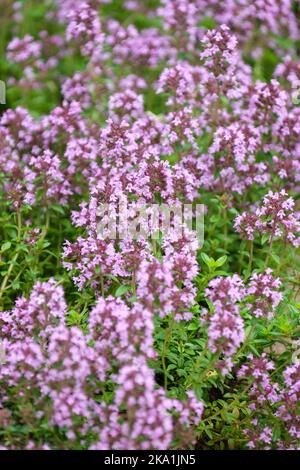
(58, 209)
(181, 372)
(264, 238)
(207, 22)
(205, 258)
(221, 261)
(198, 392)
(236, 412)
(276, 258)
(6, 246)
(15, 285)
(111, 276)
(122, 290)
(210, 262)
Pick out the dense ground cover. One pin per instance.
(136, 342)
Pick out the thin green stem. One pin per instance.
(134, 283)
(199, 360)
(250, 259)
(7, 276)
(165, 349)
(47, 225)
(271, 245)
(224, 214)
(240, 261)
(269, 253)
(19, 225)
(14, 260)
(101, 282)
(247, 339)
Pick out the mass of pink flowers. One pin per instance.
(115, 344)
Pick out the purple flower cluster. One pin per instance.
(65, 370)
(84, 28)
(263, 288)
(228, 297)
(226, 326)
(275, 16)
(267, 394)
(165, 112)
(276, 216)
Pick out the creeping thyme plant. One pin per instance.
(134, 342)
